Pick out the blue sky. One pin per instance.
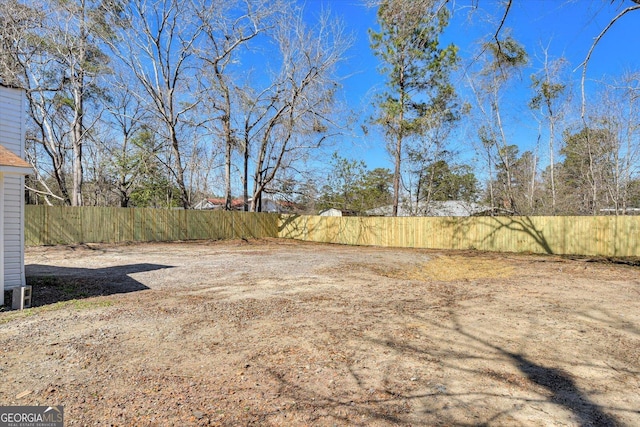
(567, 26)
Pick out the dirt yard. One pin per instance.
(285, 333)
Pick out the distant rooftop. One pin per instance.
(446, 208)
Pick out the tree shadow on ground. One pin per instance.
(390, 404)
(564, 392)
(51, 284)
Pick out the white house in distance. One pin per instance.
(13, 169)
(449, 208)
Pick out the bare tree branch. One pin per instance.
(504, 18)
(593, 46)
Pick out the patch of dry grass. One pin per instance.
(453, 268)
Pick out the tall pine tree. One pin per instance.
(418, 93)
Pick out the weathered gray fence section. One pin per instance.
(601, 236)
(52, 225)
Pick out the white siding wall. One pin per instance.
(12, 120)
(12, 128)
(13, 231)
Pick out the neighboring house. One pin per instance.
(620, 211)
(268, 205)
(449, 208)
(13, 169)
(273, 206)
(218, 203)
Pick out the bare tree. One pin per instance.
(80, 25)
(157, 44)
(620, 115)
(26, 62)
(298, 111)
(549, 99)
(502, 63)
(587, 167)
(53, 50)
(229, 26)
(606, 29)
(126, 140)
(599, 172)
(17, 24)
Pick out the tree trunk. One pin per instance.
(227, 177)
(78, 137)
(398, 148)
(77, 174)
(552, 131)
(245, 175)
(396, 175)
(179, 170)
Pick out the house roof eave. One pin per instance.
(16, 170)
(12, 163)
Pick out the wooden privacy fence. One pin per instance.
(47, 225)
(600, 236)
